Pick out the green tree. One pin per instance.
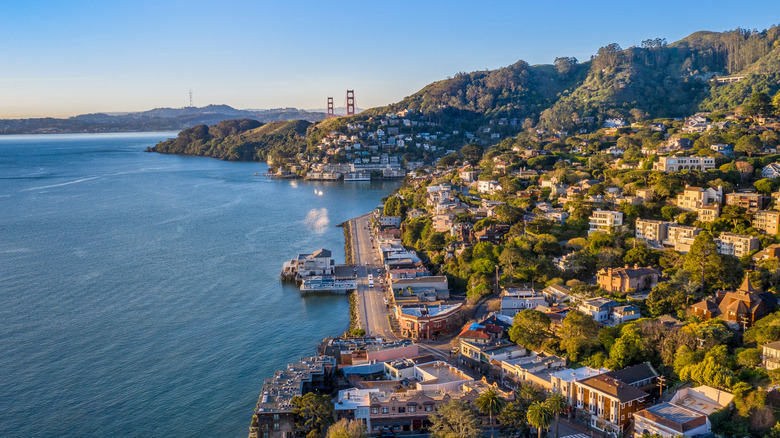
(765, 185)
(627, 349)
(703, 262)
(578, 334)
(455, 419)
(530, 328)
(313, 414)
(491, 403)
(345, 428)
(557, 404)
(749, 144)
(472, 153)
(514, 418)
(759, 105)
(539, 416)
(749, 358)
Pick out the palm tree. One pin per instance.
(539, 416)
(557, 403)
(491, 403)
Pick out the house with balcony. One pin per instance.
(767, 220)
(516, 299)
(737, 245)
(599, 309)
(750, 201)
(681, 237)
(692, 198)
(770, 355)
(608, 404)
(651, 231)
(674, 164)
(605, 221)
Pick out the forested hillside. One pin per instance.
(239, 140)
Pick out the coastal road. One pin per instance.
(371, 304)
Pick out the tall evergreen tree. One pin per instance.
(703, 262)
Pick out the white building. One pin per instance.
(605, 221)
(515, 300)
(672, 164)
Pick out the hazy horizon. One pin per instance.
(63, 60)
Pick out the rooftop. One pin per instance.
(571, 375)
(614, 388)
(428, 311)
(676, 417)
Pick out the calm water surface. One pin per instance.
(139, 291)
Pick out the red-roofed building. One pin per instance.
(740, 308)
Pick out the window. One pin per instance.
(622, 417)
(412, 408)
(374, 410)
(428, 408)
(276, 417)
(401, 410)
(385, 410)
(276, 426)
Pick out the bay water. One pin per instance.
(139, 292)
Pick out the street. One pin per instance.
(371, 301)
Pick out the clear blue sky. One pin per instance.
(61, 58)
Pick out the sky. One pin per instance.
(61, 58)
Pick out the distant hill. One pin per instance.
(651, 80)
(158, 119)
(239, 140)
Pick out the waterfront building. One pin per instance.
(274, 412)
(317, 263)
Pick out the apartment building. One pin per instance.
(737, 245)
(608, 403)
(605, 221)
(692, 198)
(672, 164)
(651, 231)
(681, 237)
(767, 220)
(750, 201)
(708, 213)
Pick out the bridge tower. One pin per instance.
(350, 102)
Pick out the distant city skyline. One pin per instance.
(67, 58)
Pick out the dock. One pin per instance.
(329, 284)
